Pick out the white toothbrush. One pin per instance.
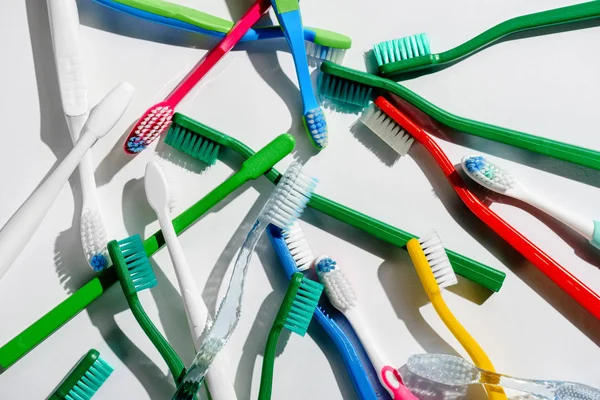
(494, 178)
(157, 192)
(20, 227)
(342, 296)
(64, 25)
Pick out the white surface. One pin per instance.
(546, 85)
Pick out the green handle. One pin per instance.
(266, 377)
(563, 15)
(552, 148)
(75, 375)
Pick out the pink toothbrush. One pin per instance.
(157, 118)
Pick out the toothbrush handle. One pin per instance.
(216, 53)
(395, 386)
(17, 232)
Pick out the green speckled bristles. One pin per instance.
(140, 271)
(344, 95)
(305, 304)
(401, 49)
(192, 144)
(91, 381)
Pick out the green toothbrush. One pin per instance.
(355, 89)
(255, 166)
(412, 53)
(295, 313)
(85, 378)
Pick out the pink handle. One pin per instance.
(216, 53)
(396, 388)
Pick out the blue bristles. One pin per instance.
(316, 126)
(475, 164)
(136, 145)
(304, 306)
(138, 264)
(347, 96)
(401, 49)
(98, 262)
(326, 264)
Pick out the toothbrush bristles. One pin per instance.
(387, 129)
(317, 53)
(438, 259)
(298, 246)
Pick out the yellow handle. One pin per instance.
(432, 289)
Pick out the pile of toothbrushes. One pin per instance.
(320, 288)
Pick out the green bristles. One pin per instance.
(401, 49)
(305, 304)
(140, 271)
(85, 379)
(351, 96)
(192, 143)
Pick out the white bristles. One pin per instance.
(298, 246)
(438, 259)
(387, 129)
(488, 174)
(324, 53)
(337, 286)
(93, 238)
(289, 198)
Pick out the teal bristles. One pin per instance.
(193, 144)
(401, 49)
(305, 304)
(138, 264)
(85, 379)
(345, 95)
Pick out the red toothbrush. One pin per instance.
(157, 118)
(585, 296)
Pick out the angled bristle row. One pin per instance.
(298, 246)
(193, 144)
(316, 126)
(93, 238)
(91, 381)
(438, 259)
(290, 197)
(488, 174)
(337, 286)
(304, 306)
(318, 53)
(138, 264)
(346, 95)
(387, 129)
(401, 49)
(149, 128)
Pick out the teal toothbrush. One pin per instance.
(288, 15)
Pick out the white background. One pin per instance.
(547, 85)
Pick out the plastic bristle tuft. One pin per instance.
(193, 144)
(91, 381)
(304, 306)
(93, 239)
(438, 259)
(387, 129)
(488, 174)
(350, 96)
(148, 128)
(298, 246)
(138, 264)
(337, 286)
(316, 126)
(443, 368)
(401, 49)
(318, 53)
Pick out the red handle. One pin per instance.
(553, 270)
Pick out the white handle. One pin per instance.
(64, 25)
(219, 375)
(21, 226)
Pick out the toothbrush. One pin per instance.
(64, 24)
(455, 371)
(20, 227)
(288, 15)
(386, 113)
(434, 270)
(283, 207)
(157, 192)
(352, 91)
(320, 44)
(295, 313)
(341, 294)
(412, 53)
(498, 180)
(85, 379)
(157, 118)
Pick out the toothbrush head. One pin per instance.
(132, 265)
(401, 49)
(304, 305)
(487, 174)
(438, 259)
(576, 391)
(289, 198)
(157, 187)
(149, 127)
(387, 129)
(337, 286)
(93, 238)
(105, 115)
(85, 379)
(316, 127)
(298, 246)
(343, 95)
(192, 143)
(443, 368)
